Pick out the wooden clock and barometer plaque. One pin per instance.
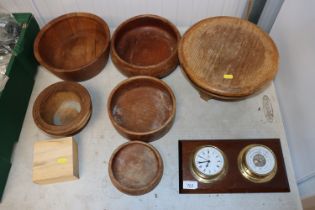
(231, 166)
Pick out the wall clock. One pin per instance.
(208, 164)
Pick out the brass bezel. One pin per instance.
(250, 175)
(201, 177)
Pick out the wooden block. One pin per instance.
(55, 161)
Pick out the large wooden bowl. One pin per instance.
(228, 57)
(135, 168)
(62, 109)
(74, 46)
(142, 108)
(145, 45)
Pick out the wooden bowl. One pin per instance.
(142, 108)
(228, 57)
(62, 109)
(135, 168)
(74, 46)
(145, 45)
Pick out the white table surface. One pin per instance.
(195, 119)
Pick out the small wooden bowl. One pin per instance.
(228, 58)
(145, 45)
(62, 109)
(74, 46)
(135, 168)
(142, 108)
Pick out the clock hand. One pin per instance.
(204, 161)
(202, 157)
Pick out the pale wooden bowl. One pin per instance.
(228, 57)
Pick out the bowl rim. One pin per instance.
(56, 21)
(138, 17)
(212, 90)
(78, 122)
(136, 191)
(135, 133)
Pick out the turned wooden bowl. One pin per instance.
(135, 168)
(145, 45)
(62, 109)
(228, 57)
(74, 46)
(142, 108)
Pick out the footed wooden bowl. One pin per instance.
(228, 57)
(135, 168)
(142, 108)
(62, 109)
(74, 46)
(145, 45)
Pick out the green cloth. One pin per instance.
(14, 99)
(4, 173)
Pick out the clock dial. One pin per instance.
(260, 160)
(208, 163)
(257, 163)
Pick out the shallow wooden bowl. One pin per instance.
(145, 45)
(228, 57)
(62, 109)
(74, 46)
(142, 108)
(135, 168)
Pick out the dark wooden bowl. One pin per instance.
(135, 168)
(145, 45)
(217, 48)
(142, 108)
(74, 46)
(62, 109)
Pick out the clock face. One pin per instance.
(260, 160)
(209, 161)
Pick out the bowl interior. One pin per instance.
(135, 166)
(73, 42)
(60, 108)
(141, 105)
(145, 41)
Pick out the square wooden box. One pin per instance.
(55, 161)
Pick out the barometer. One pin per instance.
(257, 163)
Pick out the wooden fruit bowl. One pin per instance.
(145, 45)
(135, 168)
(74, 46)
(142, 108)
(228, 57)
(62, 109)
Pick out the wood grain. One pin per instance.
(220, 46)
(55, 161)
(74, 46)
(135, 168)
(233, 182)
(145, 45)
(142, 108)
(62, 109)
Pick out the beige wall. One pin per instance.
(182, 13)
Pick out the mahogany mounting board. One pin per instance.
(233, 182)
